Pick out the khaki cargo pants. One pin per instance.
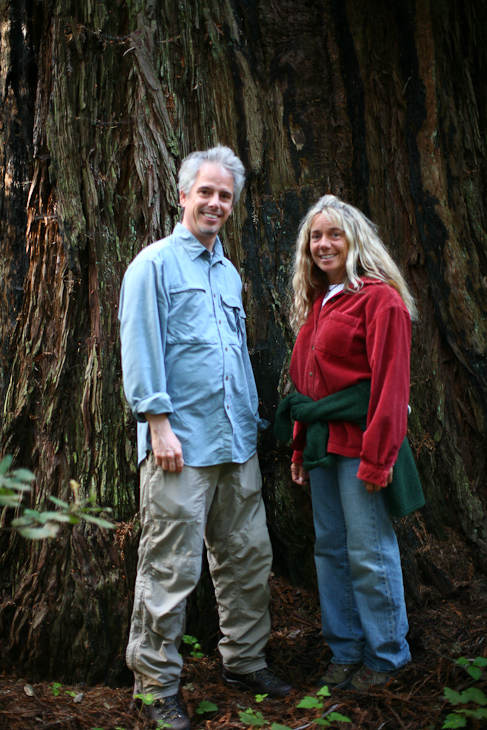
(221, 506)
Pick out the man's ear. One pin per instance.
(182, 198)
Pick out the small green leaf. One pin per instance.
(206, 706)
(22, 522)
(251, 717)
(24, 475)
(191, 640)
(475, 672)
(260, 698)
(310, 703)
(324, 692)
(276, 726)
(17, 486)
(5, 464)
(98, 521)
(453, 720)
(39, 533)
(335, 716)
(480, 661)
(454, 697)
(474, 694)
(463, 661)
(147, 699)
(479, 713)
(59, 502)
(32, 514)
(10, 500)
(56, 688)
(56, 516)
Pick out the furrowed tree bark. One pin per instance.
(383, 104)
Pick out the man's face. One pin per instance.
(208, 204)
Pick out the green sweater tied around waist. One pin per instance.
(403, 495)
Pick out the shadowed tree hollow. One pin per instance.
(382, 103)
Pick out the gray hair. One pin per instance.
(219, 155)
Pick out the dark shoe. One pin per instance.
(338, 676)
(261, 682)
(168, 713)
(366, 679)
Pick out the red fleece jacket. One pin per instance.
(355, 337)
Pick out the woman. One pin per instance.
(353, 311)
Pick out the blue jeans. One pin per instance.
(359, 570)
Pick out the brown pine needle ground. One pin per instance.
(441, 631)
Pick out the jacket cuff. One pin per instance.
(297, 458)
(374, 474)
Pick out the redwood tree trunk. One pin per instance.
(382, 103)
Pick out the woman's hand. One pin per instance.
(298, 474)
(370, 487)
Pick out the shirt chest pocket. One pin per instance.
(189, 320)
(234, 317)
(336, 333)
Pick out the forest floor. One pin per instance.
(443, 628)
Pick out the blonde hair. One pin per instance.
(367, 256)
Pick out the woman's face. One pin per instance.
(329, 248)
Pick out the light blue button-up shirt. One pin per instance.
(184, 350)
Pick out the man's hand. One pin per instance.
(370, 487)
(166, 446)
(298, 474)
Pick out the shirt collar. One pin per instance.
(194, 248)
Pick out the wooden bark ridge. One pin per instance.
(381, 103)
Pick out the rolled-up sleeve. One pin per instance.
(143, 326)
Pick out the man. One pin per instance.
(189, 382)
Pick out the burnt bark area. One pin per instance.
(383, 104)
